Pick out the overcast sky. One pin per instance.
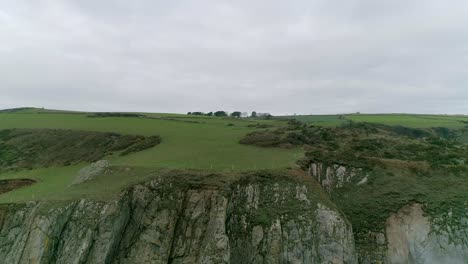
(283, 57)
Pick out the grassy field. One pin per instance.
(54, 184)
(188, 142)
(210, 144)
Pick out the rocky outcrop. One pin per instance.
(321, 235)
(163, 222)
(90, 172)
(332, 176)
(413, 238)
(407, 236)
(249, 221)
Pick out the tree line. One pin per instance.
(235, 114)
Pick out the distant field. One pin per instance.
(319, 120)
(410, 120)
(419, 121)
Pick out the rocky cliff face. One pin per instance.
(162, 222)
(320, 235)
(259, 219)
(409, 235)
(413, 238)
(332, 176)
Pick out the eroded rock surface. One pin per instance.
(321, 235)
(413, 239)
(159, 222)
(332, 176)
(90, 172)
(409, 236)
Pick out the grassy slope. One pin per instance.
(187, 143)
(211, 144)
(54, 184)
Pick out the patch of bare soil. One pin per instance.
(11, 184)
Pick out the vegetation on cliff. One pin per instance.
(401, 165)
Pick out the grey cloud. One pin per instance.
(278, 56)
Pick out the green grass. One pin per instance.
(208, 144)
(318, 120)
(409, 120)
(54, 183)
(188, 142)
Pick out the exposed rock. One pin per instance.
(361, 182)
(200, 236)
(271, 222)
(90, 172)
(336, 242)
(301, 194)
(332, 176)
(412, 238)
(257, 235)
(380, 239)
(159, 222)
(319, 235)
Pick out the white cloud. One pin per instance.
(283, 57)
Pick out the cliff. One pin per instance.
(256, 219)
(390, 225)
(413, 238)
(261, 217)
